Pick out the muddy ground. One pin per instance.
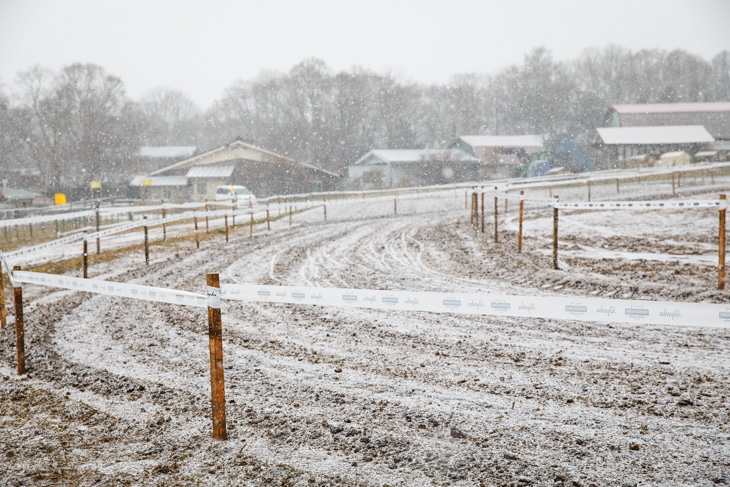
(117, 391)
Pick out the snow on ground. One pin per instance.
(118, 390)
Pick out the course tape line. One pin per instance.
(637, 205)
(122, 228)
(546, 307)
(616, 205)
(134, 291)
(553, 307)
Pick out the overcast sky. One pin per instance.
(202, 47)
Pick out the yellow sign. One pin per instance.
(148, 182)
(96, 185)
(60, 198)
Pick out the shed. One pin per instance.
(714, 116)
(205, 179)
(170, 188)
(412, 167)
(676, 158)
(619, 144)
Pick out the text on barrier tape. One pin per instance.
(135, 291)
(552, 307)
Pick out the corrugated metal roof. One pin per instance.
(160, 180)
(167, 152)
(210, 171)
(671, 134)
(672, 107)
(412, 156)
(503, 140)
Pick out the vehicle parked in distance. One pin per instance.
(240, 194)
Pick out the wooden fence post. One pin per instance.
(146, 245)
(86, 257)
(225, 222)
(673, 187)
(325, 212)
(482, 210)
(268, 221)
(164, 225)
(588, 184)
(3, 313)
(290, 213)
(551, 191)
(215, 341)
(618, 190)
(207, 228)
(250, 229)
(721, 249)
(19, 331)
(395, 206)
(98, 227)
(466, 199)
(197, 238)
(519, 236)
(496, 217)
(555, 237)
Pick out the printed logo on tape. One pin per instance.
(214, 297)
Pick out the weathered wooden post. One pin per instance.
(588, 184)
(250, 228)
(551, 191)
(19, 331)
(466, 199)
(618, 190)
(496, 217)
(98, 227)
(146, 245)
(195, 224)
(225, 222)
(519, 236)
(268, 221)
(721, 248)
(395, 206)
(482, 210)
(164, 225)
(673, 187)
(215, 341)
(3, 313)
(207, 227)
(555, 236)
(290, 213)
(325, 212)
(86, 256)
(472, 214)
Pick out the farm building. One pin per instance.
(620, 144)
(715, 117)
(168, 188)
(501, 154)
(676, 158)
(380, 169)
(239, 163)
(152, 158)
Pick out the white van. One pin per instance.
(239, 194)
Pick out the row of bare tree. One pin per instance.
(78, 124)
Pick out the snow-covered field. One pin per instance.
(118, 391)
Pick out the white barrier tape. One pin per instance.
(638, 205)
(4, 262)
(135, 291)
(560, 308)
(518, 197)
(43, 246)
(615, 205)
(214, 297)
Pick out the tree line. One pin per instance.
(78, 124)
